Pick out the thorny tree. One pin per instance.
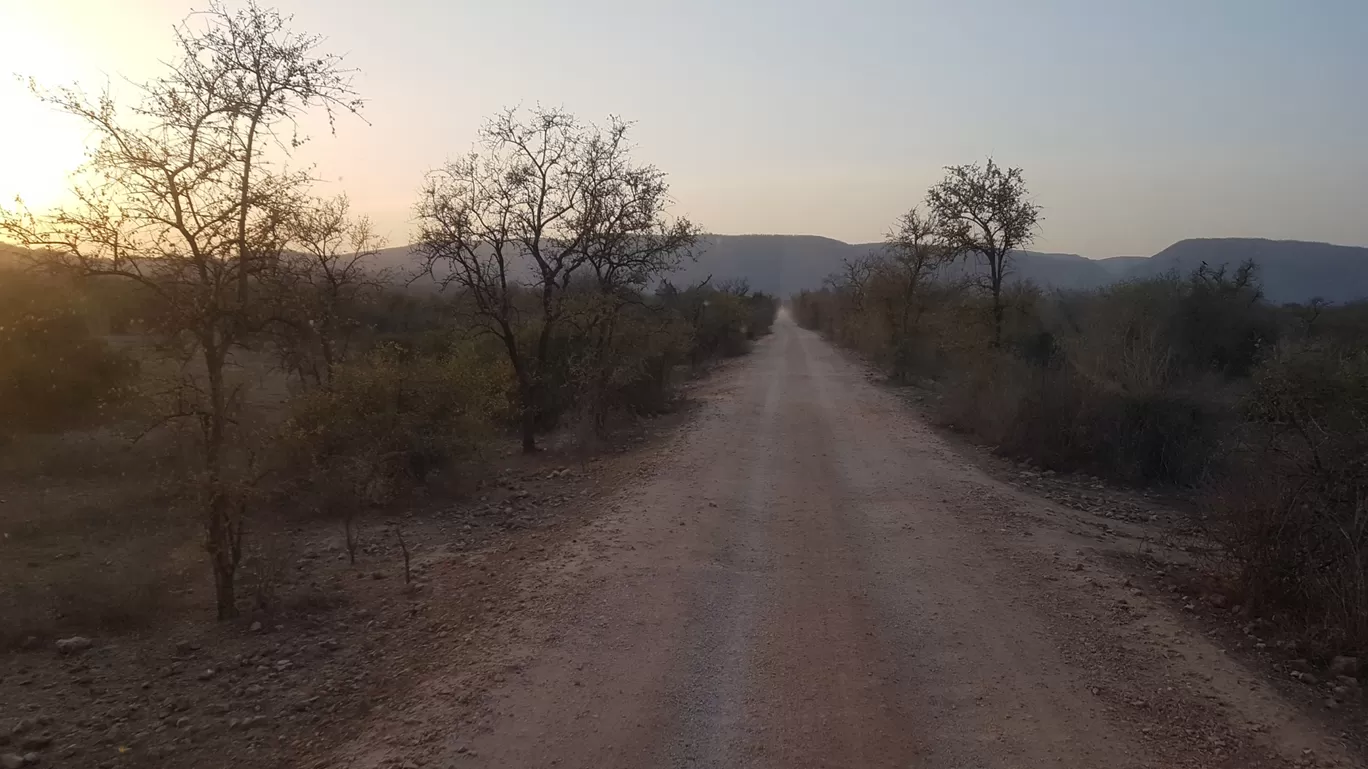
(181, 195)
(318, 287)
(512, 224)
(631, 243)
(983, 211)
(913, 251)
(851, 285)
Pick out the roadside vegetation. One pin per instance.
(1191, 382)
(199, 356)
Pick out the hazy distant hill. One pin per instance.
(1291, 270)
(785, 264)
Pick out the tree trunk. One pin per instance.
(528, 393)
(529, 426)
(532, 388)
(222, 554)
(997, 318)
(603, 345)
(220, 540)
(998, 266)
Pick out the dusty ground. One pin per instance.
(808, 576)
(803, 575)
(340, 642)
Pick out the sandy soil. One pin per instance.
(808, 576)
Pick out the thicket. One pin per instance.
(1190, 381)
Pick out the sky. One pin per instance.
(1137, 123)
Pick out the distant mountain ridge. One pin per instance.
(1292, 271)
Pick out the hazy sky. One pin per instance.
(1138, 123)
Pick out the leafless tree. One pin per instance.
(319, 284)
(983, 211)
(185, 194)
(512, 223)
(914, 251)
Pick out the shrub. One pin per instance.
(1296, 519)
(54, 374)
(392, 418)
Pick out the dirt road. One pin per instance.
(810, 577)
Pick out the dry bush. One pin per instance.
(1065, 422)
(389, 421)
(1295, 517)
(265, 567)
(983, 395)
(1116, 382)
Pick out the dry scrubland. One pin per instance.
(213, 403)
(357, 482)
(1188, 384)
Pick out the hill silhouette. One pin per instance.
(1292, 271)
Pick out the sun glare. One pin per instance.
(39, 147)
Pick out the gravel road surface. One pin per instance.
(808, 576)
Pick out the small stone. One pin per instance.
(206, 674)
(22, 725)
(35, 742)
(283, 665)
(255, 628)
(252, 690)
(1344, 666)
(73, 645)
